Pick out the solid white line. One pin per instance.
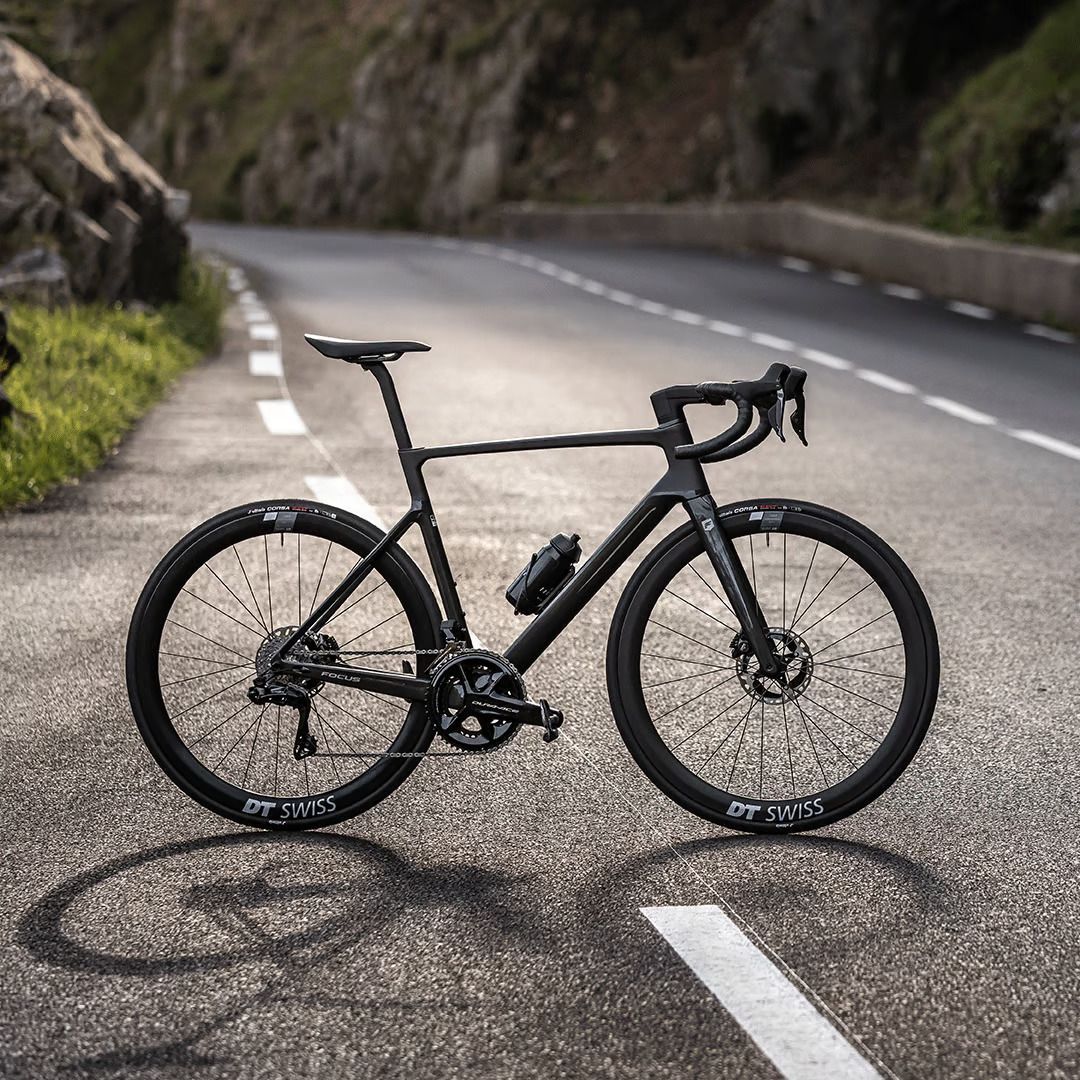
(1063, 337)
(901, 292)
(1047, 442)
(265, 362)
(973, 311)
(788, 1030)
(960, 411)
(772, 342)
(845, 277)
(886, 382)
(263, 331)
(800, 266)
(816, 356)
(340, 491)
(281, 418)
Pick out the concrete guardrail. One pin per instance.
(1028, 282)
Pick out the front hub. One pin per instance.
(796, 667)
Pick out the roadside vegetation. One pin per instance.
(89, 372)
(993, 155)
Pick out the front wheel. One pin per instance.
(765, 754)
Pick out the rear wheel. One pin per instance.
(209, 619)
(760, 753)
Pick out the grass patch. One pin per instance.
(88, 373)
(997, 146)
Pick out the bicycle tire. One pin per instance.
(740, 809)
(349, 538)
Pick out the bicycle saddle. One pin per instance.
(353, 352)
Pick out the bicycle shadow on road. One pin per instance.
(241, 907)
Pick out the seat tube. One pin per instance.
(729, 568)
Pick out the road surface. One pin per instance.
(487, 920)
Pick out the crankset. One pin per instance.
(477, 701)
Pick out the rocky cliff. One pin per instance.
(80, 212)
(407, 112)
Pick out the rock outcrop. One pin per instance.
(70, 183)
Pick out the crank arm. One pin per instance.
(729, 568)
(499, 707)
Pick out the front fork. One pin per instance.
(729, 569)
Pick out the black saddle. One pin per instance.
(354, 352)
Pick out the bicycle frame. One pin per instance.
(683, 482)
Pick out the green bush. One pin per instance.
(997, 146)
(88, 373)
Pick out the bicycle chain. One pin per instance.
(414, 753)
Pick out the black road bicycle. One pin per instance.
(772, 665)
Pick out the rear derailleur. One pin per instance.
(292, 697)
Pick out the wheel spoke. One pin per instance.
(806, 610)
(802, 590)
(209, 697)
(687, 636)
(707, 690)
(219, 644)
(855, 727)
(862, 671)
(220, 611)
(219, 726)
(682, 660)
(858, 592)
(707, 614)
(357, 637)
(255, 601)
(269, 591)
(204, 675)
(254, 743)
(862, 697)
(318, 584)
(224, 584)
(348, 712)
(876, 618)
(358, 600)
(726, 709)
(243, 734)
(704, 581)
(681, 678)
(865, 652)
(738, 724)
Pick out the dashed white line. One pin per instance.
(1062, 337)
(959, 410)
(1047, 442)
(901, 292)
(800, 266)
(281, 418)
(691, 318)
(973, 311)
(886, 382)
(340, 491)
(771, 341)
(718, 326)
(265, 362)
(651, 307)
(256, 315)
(785, 1026)
(266, 331)
(816, 356)
(845, 277)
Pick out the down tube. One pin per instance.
(589, 580)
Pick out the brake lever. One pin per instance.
(776, 414)
(793, 390)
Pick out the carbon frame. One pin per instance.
(683, 482)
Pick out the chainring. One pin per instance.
(454, 681)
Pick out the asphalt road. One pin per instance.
(486, 920)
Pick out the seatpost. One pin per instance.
(390, 399)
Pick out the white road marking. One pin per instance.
(800, 266)
(340, 491)
(886, 382)
(1047, 442)
(281, 418)
(960, 411)
(816, 356)
(1063, 337)
(265, 362)
(973, 311)
(770, 341)
(237, 279)
(266, 331)
(901, 292)
(248, 297)
(718, 326)
(256, 315)
(785, 1026)
(845, 277)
